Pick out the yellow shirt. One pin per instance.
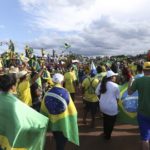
(90, 82)
(1, 63)
(74, 74)
(49, 79)
(100, 76)
(133, 68)
(24, 93)
(69, 81)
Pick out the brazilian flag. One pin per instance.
(21, 127)
(126, 114)
(62, 114)
(67, 45)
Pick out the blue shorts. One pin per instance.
(144, 126)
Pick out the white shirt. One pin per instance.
(108, 100)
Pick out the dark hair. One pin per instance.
(103, 88)
(99, 69)
(69, 67)
(33, 74)
(7, 81)
(22, 78)
(126, 72)
(114, 67)
(139, 68)
(33, 88)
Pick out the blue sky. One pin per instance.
(13, 24)
(91, 27)
(13, 20)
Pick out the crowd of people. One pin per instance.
(53, 93)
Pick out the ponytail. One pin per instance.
(103, 85)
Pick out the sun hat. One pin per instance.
(58, 78)
(6, 70)
(25, 59)
(21, 73)
(146, 65)
(13, 69)
(110, 73)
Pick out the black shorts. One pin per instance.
(91, 106)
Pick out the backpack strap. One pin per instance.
(90, 81)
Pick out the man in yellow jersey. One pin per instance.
(69, 79)
(89, 85)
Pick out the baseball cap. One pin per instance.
(13, 69)
(110, 73)
(21, 73)
(146, 65)
(58, 78)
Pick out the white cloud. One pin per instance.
(75, 15)
(59, 15)
(91, 26)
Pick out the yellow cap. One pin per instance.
(146, 65)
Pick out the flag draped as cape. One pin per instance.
(21, 127)
(124, 116)
(60, 109)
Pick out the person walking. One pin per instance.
(142, 85)
(69, 81)
(109, 94)
(90, 99)
(60, 109)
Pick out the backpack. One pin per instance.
(91, 89)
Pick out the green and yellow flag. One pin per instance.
(60, 109)
(21, 127)
(124, 115)
(67, 45)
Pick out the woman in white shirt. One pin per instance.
(109, 94)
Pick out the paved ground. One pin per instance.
(124, 137)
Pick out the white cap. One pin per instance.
(21, 73)
(25, 59)
(110, 73)
(13, 69)
(58, 78)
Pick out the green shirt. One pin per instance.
(143, 86)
